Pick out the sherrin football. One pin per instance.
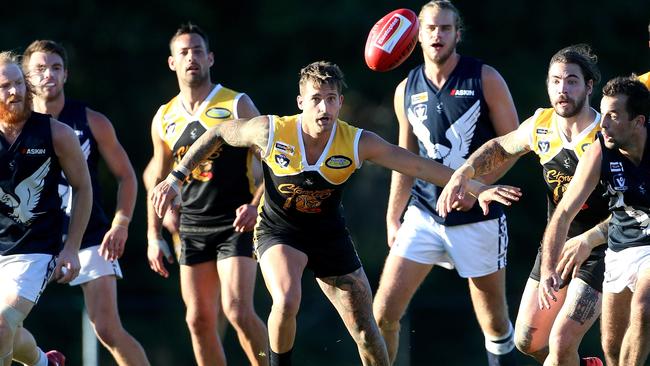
(391, 40)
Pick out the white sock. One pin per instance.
(42, 359)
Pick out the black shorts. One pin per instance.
(208, 243)
(327, 256)
(592, 270)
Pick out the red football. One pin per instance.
(391, 40)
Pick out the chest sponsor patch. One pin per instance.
(338, 162)
(218, 113)
(420, 98)
(462, 93)
(615, 167)
(285, 148)
(282, 160)
(33, 151)
(541, 131)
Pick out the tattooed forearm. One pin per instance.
(201, 149)
(495, 153)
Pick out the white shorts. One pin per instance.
(26, 275)
(475, 249)
(622, 269)
(94, 266)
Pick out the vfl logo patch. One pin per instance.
(218, 113)
(285, 148)
(420, 98)
(420, 111)
(282, 160)
(619, 182)
(544, 146)
(462, 93)
(541, 131)
(616, 167)
(338, 162)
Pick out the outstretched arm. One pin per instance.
(73, 163)
(112, 246)
(242, 133)
(577, 249)
(582, 184)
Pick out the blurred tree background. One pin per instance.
(118, 64)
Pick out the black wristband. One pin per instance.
(178, 175)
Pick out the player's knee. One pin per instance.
(107, 333)
(388, 325)
(238, 312)
(10, 319)
(286, 306)
(199, 320)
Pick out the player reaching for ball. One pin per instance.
(446, 108)
(307, 160)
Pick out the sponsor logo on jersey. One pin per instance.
(338, 162)
(462, 93)
(285, 148)
(420, 98)
(544, 146)
(34, 151)
(218, 113)
(619, 182)
(282, 160)
(541, 131)
(616, 167)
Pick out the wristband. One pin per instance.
(121, 220)
(174, 183)
(178, 175)
(160, 244)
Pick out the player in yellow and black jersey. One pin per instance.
(559, 136)
(307, 160)
(218, 208)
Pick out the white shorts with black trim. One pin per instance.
(93, 266)
(25, 275)
(475, 249)
(623, 269)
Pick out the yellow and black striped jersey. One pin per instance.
(224, 181)
(559, 159)
(302, 196)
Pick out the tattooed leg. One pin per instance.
(351, 296)
(581, 309)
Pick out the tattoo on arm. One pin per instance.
(201, 149)
(495, 152)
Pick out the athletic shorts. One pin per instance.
(203, 244)
(591, 271)
(475, 249)
(26, 275)
(623, 269)
(326, 257)
(93, 266)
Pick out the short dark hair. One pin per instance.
(322, 72)
(189, 28)
(638, 95)
(581, 55)
(47, 46)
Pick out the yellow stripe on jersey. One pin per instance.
(285, 154)
(546, 139)
(645, 79)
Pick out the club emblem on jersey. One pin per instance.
(567, 163)
(26, 195)
(642, 188)
(544, 146)
(309, 182)
(282, 160)
(338, 162)
(439, 108)
(218, 113)
(285, 148)
(194, 134)
(420, 111)
(616, 167)
(420, 98)
(619, 182)
(459, 135)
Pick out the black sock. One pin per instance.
(281, 359)
(508, 359)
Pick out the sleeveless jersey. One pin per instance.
(628, 190)
(74, 115)
(224, 181)
(30, 207)
(645, 79)
(449, 124)
(559, 159)
(305, 198)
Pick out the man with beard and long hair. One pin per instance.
(35, 149)
(219, 205)
(559, 136)
(446, 108)
(46, 64)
